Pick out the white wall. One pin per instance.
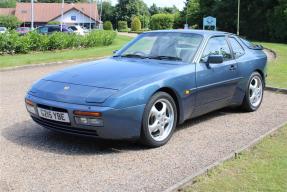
(80, 18)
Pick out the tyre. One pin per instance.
(254, 93)
(159, 120)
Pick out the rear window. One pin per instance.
(250, 45)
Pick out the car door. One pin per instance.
(216, 83)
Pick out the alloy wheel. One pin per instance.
(161, 120)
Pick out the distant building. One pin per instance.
(80, 13)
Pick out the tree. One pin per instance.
(277, 22)
(171, 10)
(7, 3)
(127, 9)
(154, 9)
(191, 12)
(11, 22)
(107, 11)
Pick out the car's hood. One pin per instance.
(112, 73)
(96, 81)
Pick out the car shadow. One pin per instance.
(29, 134)
(209, 116)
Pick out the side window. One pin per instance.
(236, 47)
(217, 46)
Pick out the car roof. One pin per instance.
(194, 31)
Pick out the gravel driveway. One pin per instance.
(34, 159)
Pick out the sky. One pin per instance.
(162, 3)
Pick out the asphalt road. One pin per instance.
(34, 159)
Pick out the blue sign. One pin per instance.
(209, 22)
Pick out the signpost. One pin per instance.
(210, 23)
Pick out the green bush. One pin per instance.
(11, 22)
(136, 24)
(145, 21)
(162, 21)
(123, 26)
(108, 25)
(54, 23)
(13, 43)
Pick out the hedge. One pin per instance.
(123, 26)
(136, 24)
(13, 43)
(161, 21)
(108, 25)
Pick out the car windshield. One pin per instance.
(164, 46)
(2, 29)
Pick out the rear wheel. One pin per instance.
(254, 93)
(159, 120)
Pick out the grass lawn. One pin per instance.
(52, 56)
(262, 168)
(277, 69)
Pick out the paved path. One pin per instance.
(34, 159)
(128, 34)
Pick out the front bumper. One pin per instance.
(118, 123)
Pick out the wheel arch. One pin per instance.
(262, 75)
(175, 97)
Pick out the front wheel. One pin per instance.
(254, 93)
(159, 120)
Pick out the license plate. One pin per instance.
(54, 115)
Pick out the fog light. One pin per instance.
(30, 106)
(89, 121)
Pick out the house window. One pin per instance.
(73, 18)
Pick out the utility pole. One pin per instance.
(32, 14)
(101, 10)
(238, 17)
(62, 14)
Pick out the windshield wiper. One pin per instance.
(162, 57)
(133, 56)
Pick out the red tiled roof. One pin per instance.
(45, 12)
(7, 11)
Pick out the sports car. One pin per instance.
(157, 81)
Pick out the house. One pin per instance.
(84, 14)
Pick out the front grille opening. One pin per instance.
(52, 108)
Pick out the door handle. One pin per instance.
(232, 68)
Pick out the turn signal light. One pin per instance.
(29, 102)
(30, 106)
(86, 113)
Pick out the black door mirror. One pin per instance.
(215, 59)
(115, 51)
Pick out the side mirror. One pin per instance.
(215, 59)
(115, 51)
